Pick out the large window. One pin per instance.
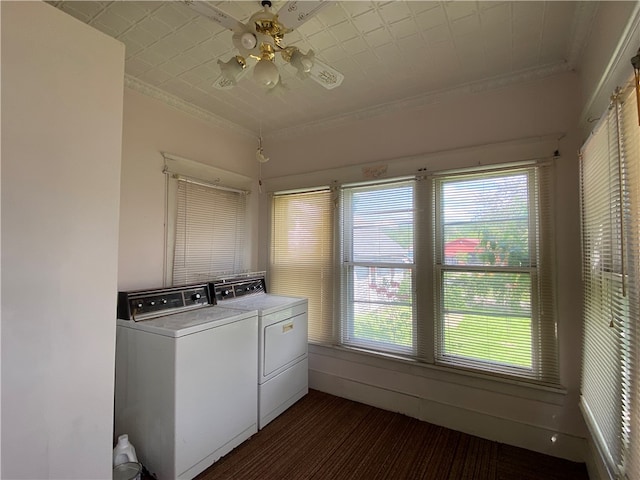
(490, 309)
(377, 267)
(449, 269)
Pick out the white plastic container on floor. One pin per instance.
(124, 452)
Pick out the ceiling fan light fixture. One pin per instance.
(266, 73)
(248, 40)
(233, 68)
(303, 63)
(262, 37)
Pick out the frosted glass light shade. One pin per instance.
(266, 73)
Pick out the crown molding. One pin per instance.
(617, 71)
(423, 100)
(184, 106)
(342, 119)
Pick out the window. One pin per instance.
(491, 309)
(301, 261)
(610, 200)
(451, 269)
(377, 267)
(209, 232)
(208, 214)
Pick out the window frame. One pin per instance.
(347, 272)
(316, 279)
(424, 269)
(177, 169)
(535, 240)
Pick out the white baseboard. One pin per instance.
(596, 464)
(490, 427)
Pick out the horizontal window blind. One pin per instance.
(210, 233)
(493, 273)
(630, 131)
(377, 267)
(301, 261)
(610, 201)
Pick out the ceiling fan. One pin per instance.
(261, 38)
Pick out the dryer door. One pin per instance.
(284, 343)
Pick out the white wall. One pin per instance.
(151, 127)
(62, 89)
(512, 123)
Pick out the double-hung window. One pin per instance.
(453, 269)
(493, 293)
(377, 265)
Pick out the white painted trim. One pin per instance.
(596, 465)
(466, 378)
(342, 119)
(183, 106)
(620, 62)
(510, 412)
(491, 427)
(510, 151)
(418, 101)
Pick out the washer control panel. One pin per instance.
(145, 304)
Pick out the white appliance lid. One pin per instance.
(187, 323)
(265, 303)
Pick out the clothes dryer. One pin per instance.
(283, 368)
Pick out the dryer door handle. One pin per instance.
(287, 327)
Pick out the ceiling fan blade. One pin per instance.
(325, 75)
(295, 13)
(216, 15)
(223, 83)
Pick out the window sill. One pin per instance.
(476, 380)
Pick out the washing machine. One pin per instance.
(185, 380)
(283, 368)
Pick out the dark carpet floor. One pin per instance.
(325, 437)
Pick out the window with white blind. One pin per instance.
(210, 229)
(610, 204)
(493, 301)
(377, 267)
(479, 292)
(301, 260)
